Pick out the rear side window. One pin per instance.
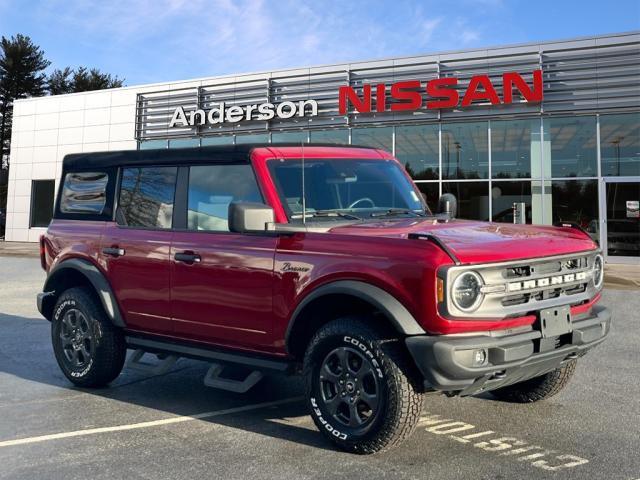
(212, 188)
(84, 192)
(146, 197)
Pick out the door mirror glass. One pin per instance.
(447, 204)
(247, 217)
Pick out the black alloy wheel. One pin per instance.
(349, 386)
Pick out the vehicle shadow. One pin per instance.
(178, 392)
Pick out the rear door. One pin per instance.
(221, 281)
(135, 249)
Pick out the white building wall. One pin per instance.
(48, 128)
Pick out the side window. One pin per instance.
(147, 196)
(84, 192)
(212, 188)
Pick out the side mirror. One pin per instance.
(250, 217)
(447, 204)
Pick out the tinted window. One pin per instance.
(84, 192)
(212, 188)
(146, 197)
(42, 193)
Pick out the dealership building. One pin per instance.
(554, 125)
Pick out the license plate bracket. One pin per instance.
(555, 321)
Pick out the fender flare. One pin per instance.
(400, 317)
(97, 281)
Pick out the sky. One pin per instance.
(148, 41)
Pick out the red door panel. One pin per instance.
(226, 297)
(140, 277)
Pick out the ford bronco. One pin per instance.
(317, 260)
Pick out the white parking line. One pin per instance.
(503, 445)
(153, 423)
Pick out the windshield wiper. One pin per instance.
(326, 213)
(397, 211)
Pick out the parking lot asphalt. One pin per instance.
(172, 426)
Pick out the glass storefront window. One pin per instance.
(465, 150)
(295, 137)
(417, 149)
(432, 192)
(473, 198)
(373, 137)
(150, 144)
(570, 146)
(620, 144)
(184, 143)
(623, 218)
(575, 201)
(254, 138)
(505, 194)
(330, 136)
(515, 148)
(219, 140)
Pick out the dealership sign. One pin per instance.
(236, 113)
(441, 93)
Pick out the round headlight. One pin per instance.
(466, 292)
(598, 271)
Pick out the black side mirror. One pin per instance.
(250, 217)
(447, 204)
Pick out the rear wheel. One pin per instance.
(88, 348)
(537, 388)
(360, 387)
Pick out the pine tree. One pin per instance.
(22, 65)
(80, 80)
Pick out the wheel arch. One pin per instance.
(77, 272)
(345, 297)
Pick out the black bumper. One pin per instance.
(445, 360)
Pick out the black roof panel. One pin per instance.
(176, 156)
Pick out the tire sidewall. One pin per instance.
(330, 426)
(67, 302)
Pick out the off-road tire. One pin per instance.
(400, 391)
(538, 388)
(104, 342)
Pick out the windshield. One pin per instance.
(345, 188)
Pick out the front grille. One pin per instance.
(520, 288)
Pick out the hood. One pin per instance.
(481, 242)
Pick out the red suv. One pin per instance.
(321, 260)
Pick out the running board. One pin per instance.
(214, 379)
(212, 354)
(160, 368)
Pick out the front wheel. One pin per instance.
(360, 386)
(538, 388)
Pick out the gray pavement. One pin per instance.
(144, 427)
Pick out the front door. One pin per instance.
(621, 216)
(135, 250)
(222, 282)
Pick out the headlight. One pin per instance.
(466, 292)
(598, 271)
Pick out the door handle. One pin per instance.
(187, 257)
(113, 251)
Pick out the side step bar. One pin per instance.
(160, 368)
(214, 379)
(210, 354)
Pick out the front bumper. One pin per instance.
(445, 361)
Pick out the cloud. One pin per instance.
(159, 40)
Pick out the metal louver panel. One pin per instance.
(586, 75)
